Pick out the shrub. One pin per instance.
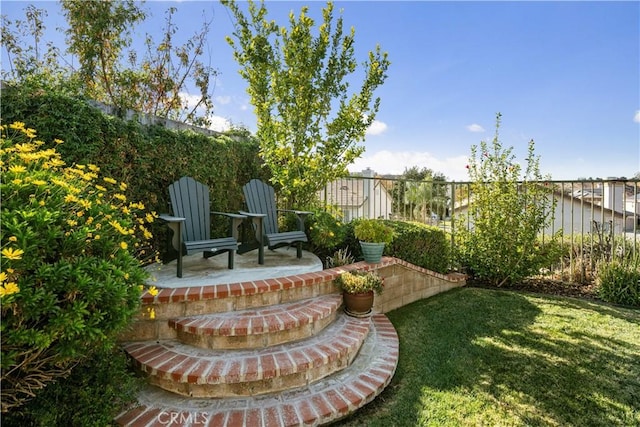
(505, 216)
(618, 281)
(326, 229)
(420, 244)
(424, 245)
(373, 231)
(70, 278)
(147, 158)
(95, 392)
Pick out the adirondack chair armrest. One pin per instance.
(171, 218)
(236, 220)
(253, 215)
(230, 215)
(302, 215)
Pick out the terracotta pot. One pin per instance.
(358, 305)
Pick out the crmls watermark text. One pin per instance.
(193, 418)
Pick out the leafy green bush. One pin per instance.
(148, 158)
(95, 392)
(373, 231)
(420, 244)
(423, 245)
(501, 244)
(71, 274)
(618, 281)
(326, 232)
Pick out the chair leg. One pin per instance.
(231, 254)
(180, 263)
(299, 249)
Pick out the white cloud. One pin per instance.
(387, 162)
(475, 128)
(223, 100)
(219, 124)
(191, 100)
(376, 128)
(636, 117)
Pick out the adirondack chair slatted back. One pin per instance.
(260, 198)
(190, 199)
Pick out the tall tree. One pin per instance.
(29, 58)
(99, 34)
(309, 123)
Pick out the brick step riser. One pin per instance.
(251, 341)
(254, 388)
(146, 328)
(327, 401)
(182, 369)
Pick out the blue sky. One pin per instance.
(565, 74)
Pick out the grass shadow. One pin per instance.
(485, 357)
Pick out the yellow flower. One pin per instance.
(93, 168)
(72, 223)
(101, 188)
(13, 239)
(152, 313)
(17, 181)
(153, 290)
(58, 141)
(39, 182)
(3, 277)
(123, 186)
(121, 197)
(10, 288)
(13, 254)
(17, 169)
(17, 125)
(124, 245)
(69, 198)
(109, 180)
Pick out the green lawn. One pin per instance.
(500, 358)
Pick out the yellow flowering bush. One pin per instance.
(70, 274)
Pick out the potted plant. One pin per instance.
(373, 235)
(358, 289)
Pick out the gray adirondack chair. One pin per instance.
(191, 222)
(261, 204)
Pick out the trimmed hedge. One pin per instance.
(148, 158)
(420, 244)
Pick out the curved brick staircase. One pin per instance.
(275, 352)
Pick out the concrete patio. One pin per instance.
(199, 271)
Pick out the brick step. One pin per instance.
(260, 327)
(322, 402)
(171, 303)
(195, 372)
